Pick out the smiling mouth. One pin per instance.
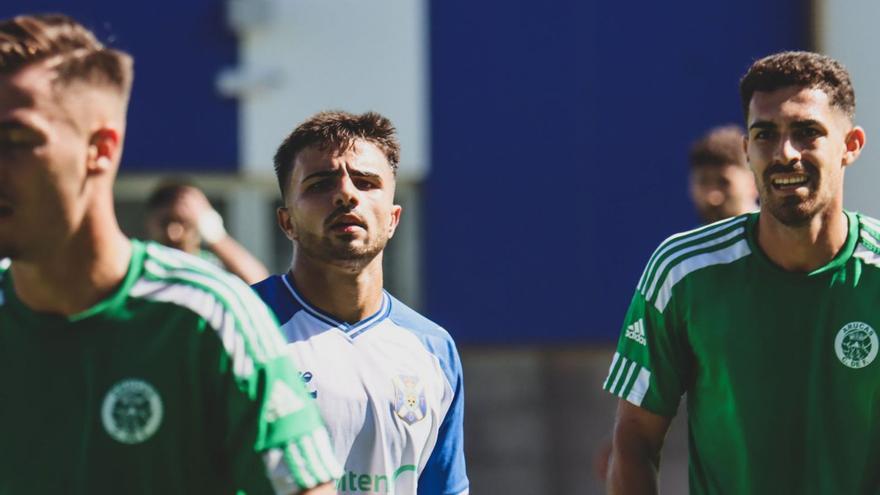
(790, 182)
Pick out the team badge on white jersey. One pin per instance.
(132, 411)
(410, 404)
(856, 344)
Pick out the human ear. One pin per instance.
(396, 210)
(284, 223)
(103, 150)
(855, 141)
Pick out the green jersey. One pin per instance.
(176, 384)
(780, 368)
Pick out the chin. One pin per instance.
(793, 216)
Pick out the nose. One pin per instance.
(174, 231)
(715, 197)
(346, 193)
(786, 152)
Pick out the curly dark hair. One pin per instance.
(336, 130)
(802, 69)
(27, 39)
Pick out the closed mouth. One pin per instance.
(347, 220)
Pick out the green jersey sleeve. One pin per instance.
(650, 367)
(267, 431)
(274, 430)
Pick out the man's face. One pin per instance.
(724, 191)
(797, 147)
(170, 226)
(340, 203)
(44, 144)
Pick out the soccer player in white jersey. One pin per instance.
(125, 367)
(388, 381)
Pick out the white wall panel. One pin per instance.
(848, 31)
(355, 55)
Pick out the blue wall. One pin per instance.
(176, 119)
(560, 135)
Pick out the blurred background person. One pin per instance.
(721, 183)
(179, 215)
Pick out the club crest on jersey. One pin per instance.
(410, 404)
(856, 344)
(132, 411)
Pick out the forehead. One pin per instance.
(791, 103)
(362, 156)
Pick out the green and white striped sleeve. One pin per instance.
(272, 433)
(649, 368)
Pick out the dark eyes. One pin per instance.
(765, 134)
(18, 139)
(807, 133)
(322, 185)
(800, 133)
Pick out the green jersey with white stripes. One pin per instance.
(176, 384)
(780, 368)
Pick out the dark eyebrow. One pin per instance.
(322, 174)
(806, 123)
(762, 124)
(336, 173)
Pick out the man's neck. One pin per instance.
(805, 248)
(75, 276)
(349, 296)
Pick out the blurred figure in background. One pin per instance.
(179, 215)
(387, 379)
(721, 183)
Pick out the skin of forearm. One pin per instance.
(633, 467)
(238, 260)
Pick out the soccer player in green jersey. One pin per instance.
(767, 320)
(125, 367)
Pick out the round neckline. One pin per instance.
(839, 259)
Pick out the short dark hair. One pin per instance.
(803, 69)
(719, 147)
(167, 192)
(27, 39)
(336, 130)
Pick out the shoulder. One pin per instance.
(868, 247)
(275, 293)
(684, 253)
(869, 230)
(223, 301)
(435, 338)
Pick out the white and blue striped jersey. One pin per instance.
(389, 388)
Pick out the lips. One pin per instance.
(345, 222)
(791, 178)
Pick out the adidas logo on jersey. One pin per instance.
(636, 332)
(282, 401)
